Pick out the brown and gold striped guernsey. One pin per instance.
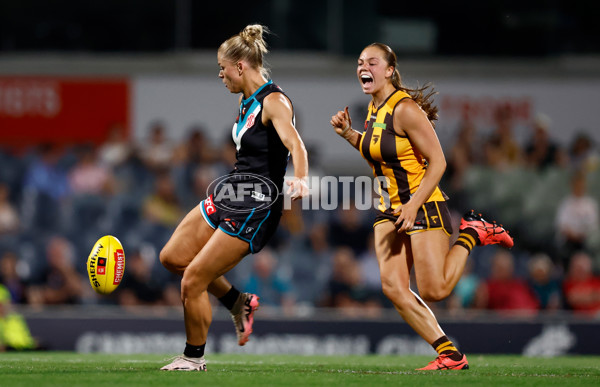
(392, 156)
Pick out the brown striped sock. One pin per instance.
(443, 346)
(468, 238)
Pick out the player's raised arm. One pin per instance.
(342, 124)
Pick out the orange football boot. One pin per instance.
(489, 233)
(443, 362)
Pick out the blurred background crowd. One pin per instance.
(56, 201)
(139, 180)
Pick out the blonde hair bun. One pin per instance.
(252, 33)
(248, 45)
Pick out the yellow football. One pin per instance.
(106, 264)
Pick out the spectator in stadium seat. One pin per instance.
(544, 281)
(583, 153)
(202, 178)
(311, 262)
(221, 163)
(161, 207)
(60, 282)
(89, 176)
(11, 279)
(91, 184)
(196, 148)
(45, 175)
(463, 153)
(291, 227)
(581, 287)
(541, 151)
(138, 286)
(45, 190)
(157, 152)
(346, 288)
(193, 153)
(503, 291)
(10, 220)
(463, 296)
(502, 151)
(272, 283)
(116, 149)
(577, 218)
(348, 229)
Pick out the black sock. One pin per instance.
(443, 346)
(229, 299)
(194, 350)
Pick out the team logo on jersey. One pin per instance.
(250, 120)
(244, 123)
(375, 138)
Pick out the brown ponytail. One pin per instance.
(421, 95)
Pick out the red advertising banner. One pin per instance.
(61, 110)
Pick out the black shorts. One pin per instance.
(431, 216)
(255, 226)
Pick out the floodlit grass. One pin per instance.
(71, 369)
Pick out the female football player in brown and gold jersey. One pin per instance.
(413, 225)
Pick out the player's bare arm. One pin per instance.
(278, 110)
(410, 120)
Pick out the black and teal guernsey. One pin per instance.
(248, 203)
(260, 150)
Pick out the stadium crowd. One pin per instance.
(56, 201)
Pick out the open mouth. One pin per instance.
(366, 79)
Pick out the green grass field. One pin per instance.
(93, 370)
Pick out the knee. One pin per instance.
(394, 292)
(389, 289)
(165, 258)
(191, 286)
(433, 293)
(170, 262)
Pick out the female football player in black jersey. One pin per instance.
(243, 209)
(412, 226)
